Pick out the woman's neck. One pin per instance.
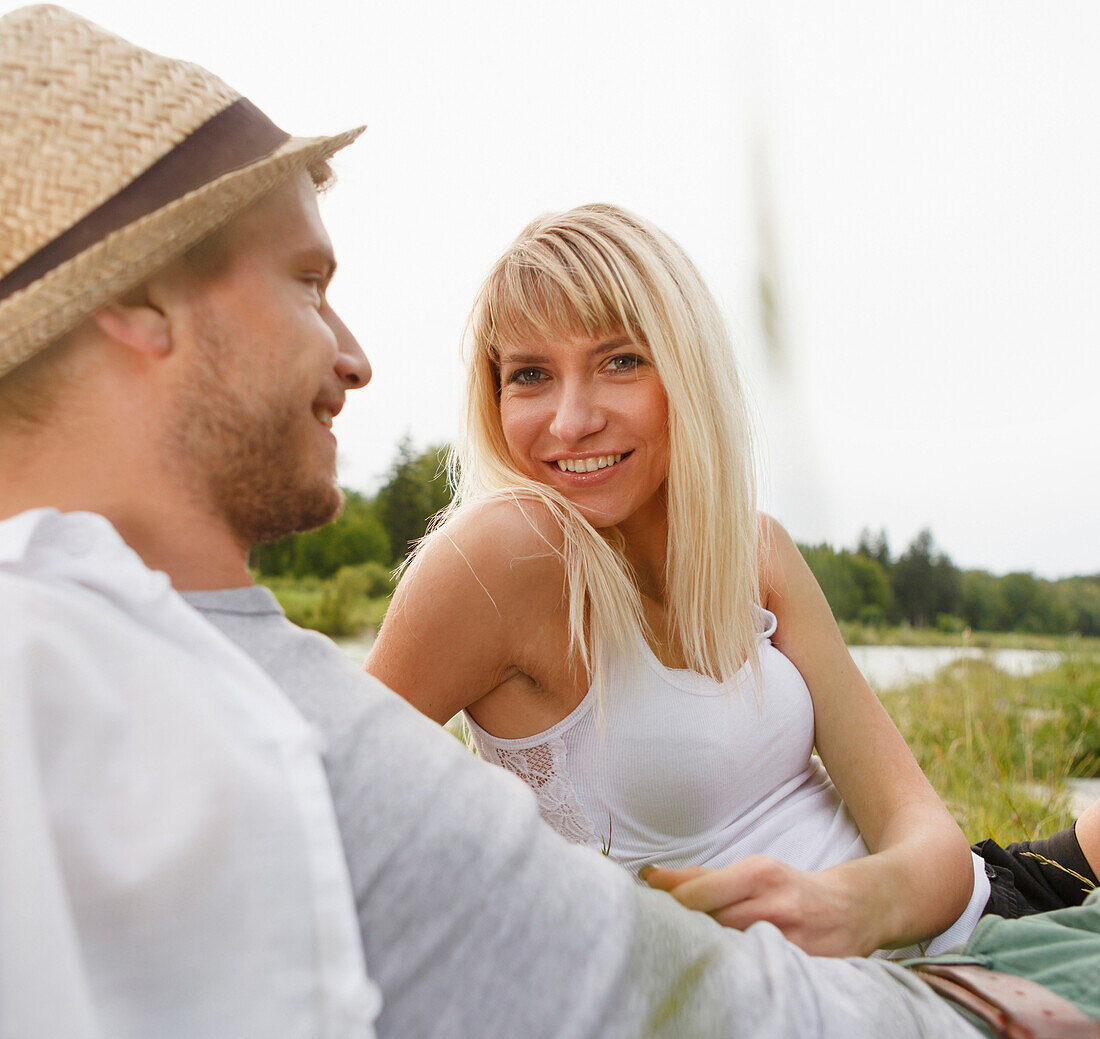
(646, 549)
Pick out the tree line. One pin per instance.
(921, 587)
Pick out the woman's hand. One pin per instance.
(819, 912)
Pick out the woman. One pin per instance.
(626, 634)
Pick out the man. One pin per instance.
(170, 362)
(165, 827)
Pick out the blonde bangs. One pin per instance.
(557, 282)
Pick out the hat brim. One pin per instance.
(58, 301)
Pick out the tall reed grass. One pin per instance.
(997, 748)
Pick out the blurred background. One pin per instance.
(895, 204)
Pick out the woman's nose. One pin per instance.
(577, 416)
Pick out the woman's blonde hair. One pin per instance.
(598, 270)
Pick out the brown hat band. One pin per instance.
(237, 136)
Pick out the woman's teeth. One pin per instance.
(324, 416)
(587, 465)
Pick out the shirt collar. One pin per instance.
(78, 547)
(250, 599)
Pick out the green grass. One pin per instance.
(998, 748)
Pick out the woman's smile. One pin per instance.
(588, 465)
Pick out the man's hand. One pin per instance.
(817, 911)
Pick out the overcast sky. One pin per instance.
(933, 184)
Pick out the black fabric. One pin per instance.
(1021, 885)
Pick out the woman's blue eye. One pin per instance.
(525, 376)
(624, 363)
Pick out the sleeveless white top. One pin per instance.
(679, 770)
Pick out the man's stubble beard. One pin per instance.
(241, 458)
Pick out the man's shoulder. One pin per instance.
(52, 615)
(31, 611)
(253, 617)
(73, 556)
(309, 667)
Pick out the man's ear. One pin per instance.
(139, 326)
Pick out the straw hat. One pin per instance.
(114, 161)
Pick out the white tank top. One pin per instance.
(680, 770)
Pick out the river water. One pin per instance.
(885, 667)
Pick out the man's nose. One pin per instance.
(578, 414)
(351, 363)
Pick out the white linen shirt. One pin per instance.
(169, 860)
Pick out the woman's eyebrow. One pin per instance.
(598, 347)
(510, 358)
(613, 343)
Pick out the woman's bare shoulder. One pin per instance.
(478, 590)
(770, 531)
(506, 546)
(524, 525)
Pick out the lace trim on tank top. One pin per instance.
(542, 768)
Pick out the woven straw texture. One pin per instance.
(82, 114)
